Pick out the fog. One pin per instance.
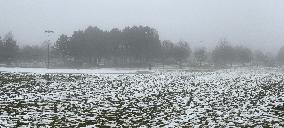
(258, 24)
(142, 63)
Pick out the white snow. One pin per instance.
(224, 98)
(72, 71)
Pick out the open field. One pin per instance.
(234, 97)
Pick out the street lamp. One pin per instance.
(49, 32)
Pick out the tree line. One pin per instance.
(129, 47)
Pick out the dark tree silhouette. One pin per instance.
(9, 48)
(132, 45)
(181, 52)
(223, 53)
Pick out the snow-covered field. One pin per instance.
(71, 71)
(236, 97)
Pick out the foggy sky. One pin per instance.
(255, 23)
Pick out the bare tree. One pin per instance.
(182, 52)
(200, 55)
(223, 53)
(242, 55)
(9, 48)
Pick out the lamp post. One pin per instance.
(48, 43)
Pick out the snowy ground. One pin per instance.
(237, 97)
(72, 71)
